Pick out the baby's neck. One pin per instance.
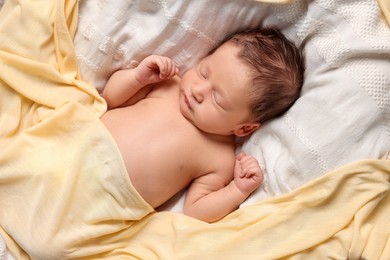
(221, 138)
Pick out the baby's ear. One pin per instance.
(246, 129)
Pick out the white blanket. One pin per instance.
(343, 114)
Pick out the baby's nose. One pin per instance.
(198, 97)
(197, 92)
(201, 90)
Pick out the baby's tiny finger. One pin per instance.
(242, 173)
(240, 156)
(252, 170)
(251, 164)
(246, 159)
(174, 70)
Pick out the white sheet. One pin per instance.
(119, 34)
(343, 113)
(4, 252)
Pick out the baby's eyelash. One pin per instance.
(215, 98)
(203, 73)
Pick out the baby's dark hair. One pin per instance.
(277, 69)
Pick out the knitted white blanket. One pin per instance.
(343, 114)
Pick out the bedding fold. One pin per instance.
(65, 193)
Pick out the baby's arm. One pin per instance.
(124, 84)
(210, 199)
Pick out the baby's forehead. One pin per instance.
(227, 54)
(228, 49)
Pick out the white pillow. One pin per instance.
(119, 34)
(343, 114)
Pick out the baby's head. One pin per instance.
(277, 70)
(252, 77)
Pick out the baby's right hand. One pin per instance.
(155, 68)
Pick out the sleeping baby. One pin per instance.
(190, 123)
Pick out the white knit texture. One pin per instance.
(343, 114)
(119, 34)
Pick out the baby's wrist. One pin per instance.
(238, 193)
(138, 78)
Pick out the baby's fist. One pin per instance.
(155, 68)
(247, 173)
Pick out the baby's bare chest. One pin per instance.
(165, 143)
(162, 151)
(166, 160)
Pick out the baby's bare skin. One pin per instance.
(150, 136)
(176, 132)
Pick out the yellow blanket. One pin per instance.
(65, 194)
(385, 6)
(63, 184)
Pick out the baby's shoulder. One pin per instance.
(219, 161)
(221, 153)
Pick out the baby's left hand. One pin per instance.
(247, 173)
